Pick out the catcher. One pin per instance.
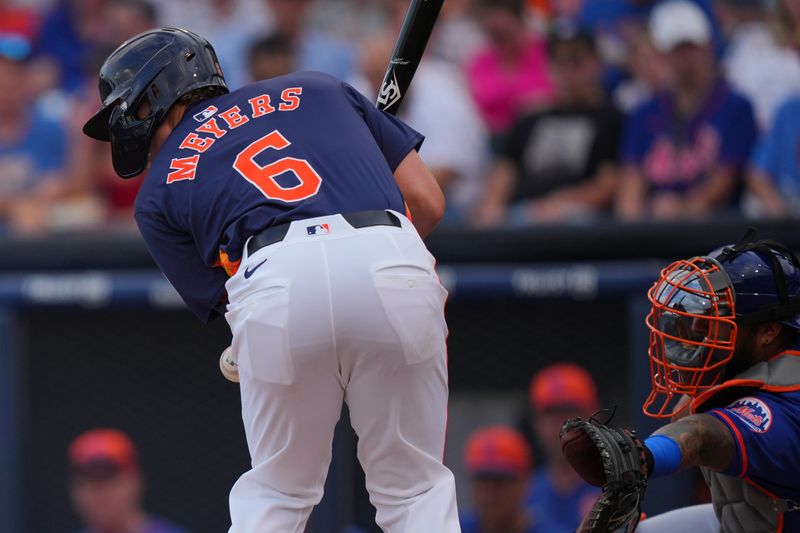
(725, 363)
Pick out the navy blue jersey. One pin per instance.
(283, 149)
(766, 426)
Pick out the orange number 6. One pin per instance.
(263, 178)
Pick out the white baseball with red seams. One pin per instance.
(353, 315)
(228, 366)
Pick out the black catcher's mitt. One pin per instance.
(613, 459)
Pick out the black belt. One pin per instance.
(359, 219)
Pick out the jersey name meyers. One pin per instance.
(216, 125)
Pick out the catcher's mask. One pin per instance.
(698, 306)
(158, 66)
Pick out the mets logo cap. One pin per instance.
(498, 452)
(102, 454)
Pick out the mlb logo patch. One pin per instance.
(755, 414)
(319, 229)
(206, 113)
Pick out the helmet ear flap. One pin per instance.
(130, 145)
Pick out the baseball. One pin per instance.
(228, 366)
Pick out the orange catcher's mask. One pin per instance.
(692, 331)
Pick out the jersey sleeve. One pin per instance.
(201, 287)
(394, 137)
(763, 427)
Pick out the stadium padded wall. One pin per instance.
(154, 374)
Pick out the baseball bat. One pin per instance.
(411, 42)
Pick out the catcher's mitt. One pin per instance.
(613, 459)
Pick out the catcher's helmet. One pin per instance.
(699, 304)
(765, 277)
(158, 65)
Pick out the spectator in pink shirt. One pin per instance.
(510, 74)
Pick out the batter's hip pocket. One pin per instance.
(413, 301)
(261, 336)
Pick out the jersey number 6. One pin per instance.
(263, 178)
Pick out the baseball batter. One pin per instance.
(725, 360)
(287, 206)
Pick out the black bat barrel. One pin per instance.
(417, 28)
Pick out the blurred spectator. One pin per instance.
(123, 19)
(375, 50)
(313, 48)
(774, 178)
(788, 22)
(438, 105)
(231, 26)
(199, 15)
(560, 164)
(106, 485)
(107, 199)
(456, 147)
(98, 194)
(67, 36)
(601, 15)
(559, 392)
(71, 36)
(498, 460)
(509, 75)
(352, 19)
(270, 57)
(647, 70)
(32, 147)
(685, 149)
(457, 36)
(612, 21)
(566, 9)
(754, 62)
(611, 16)
(17, 20)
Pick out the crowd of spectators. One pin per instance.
(535, 111)
(511, 491)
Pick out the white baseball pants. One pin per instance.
(354, 315)
(694, 519)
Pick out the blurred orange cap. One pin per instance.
(563, 385)
(102, 450)
(540, 6)
(498, 451)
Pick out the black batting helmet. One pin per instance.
(160, 66)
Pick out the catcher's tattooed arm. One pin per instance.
(704, 441)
